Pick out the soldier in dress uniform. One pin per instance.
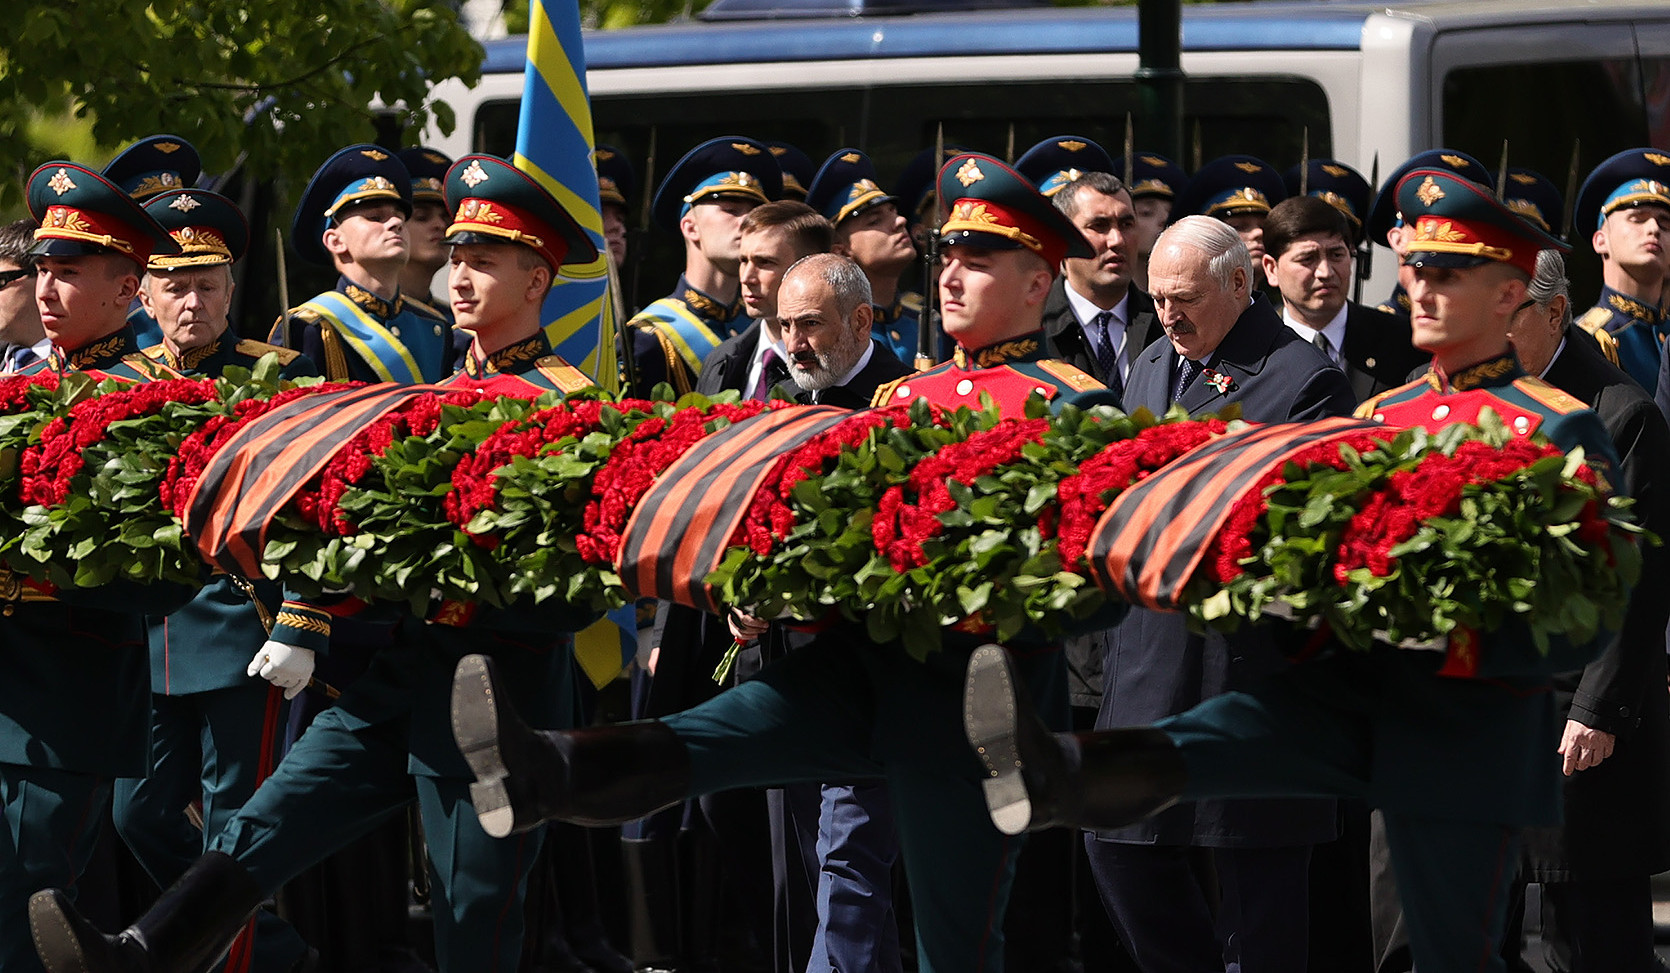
(352, 216)
(385, 742)
(215, 726)
(917, 192)
(75, 700)
(615, 178)
(703, 199)
(426, 227)
(826, 711)
(1385, 223)
(1154, 182)
(1625, 204)
(1336, 184)
(871, 231)
(1238, 189)
(1455, 747)
(798, 169)
(150, 166)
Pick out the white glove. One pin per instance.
(289, 667)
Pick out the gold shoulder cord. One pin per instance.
(336, 361)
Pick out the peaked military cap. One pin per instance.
(1153, 175)
(797, 169)
(845, 186)
(615, 175)
(155, 165)
(428, 169)
(1057, 161)
(209, 229)
(356, 174)
(1630, 178)
(996, 208)
(1459, 223)
(1533, 196)
(1383, 215)
(492, 201)
(1336, 184)
(915, 188)
(81, 213)
(728, 167)
(1230, 185)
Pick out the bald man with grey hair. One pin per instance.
(1224, 345)
(824, 310)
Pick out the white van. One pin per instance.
(1364, 81)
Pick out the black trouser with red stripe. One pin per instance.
(212, 745)
(843, 708)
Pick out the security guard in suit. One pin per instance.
(75, 701)
(1625, 204)
(215, 728)
(385, 742)
(702, 199)
(351, 217)
(148, 167)
(1385, 224)
(1455, 747)
(842, 708)
(870, 229)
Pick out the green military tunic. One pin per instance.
(388, 739)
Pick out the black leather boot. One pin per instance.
(597, 776)
(187, 931)
(653, 896)
(1038, 779)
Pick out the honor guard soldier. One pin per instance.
(1238, 189)
(1386, 225)
(797, 168)
(703, 200)
(75, 701)
(1625, 205)
(1336, 184)
(426, 227)
(386, 741)
(1154, 182)
(870, 230)
(825, 711)
(1000, 249)
(158, 164)
(352, 217)
(916, 191)
(88, 226)
(615, 178)
(1457, 750)
(1055, 162)
(216, 728)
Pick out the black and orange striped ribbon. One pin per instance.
(679, 532)
(254, 475)
(1149, 541)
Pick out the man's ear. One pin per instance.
(333, 242)
(863, 317)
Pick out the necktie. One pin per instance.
(20, 357)
(1325, 346)
(771, 372)
(1107, 359)
(1187, 369)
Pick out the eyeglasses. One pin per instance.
(8, 277)
(1529, 302)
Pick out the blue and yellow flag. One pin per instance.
(554, 144)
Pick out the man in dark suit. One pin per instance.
(774, 236)
(1095, 317)
(1222, 346)
(687, 649)
(823, 309)
(1592, 871)
(1307, 253)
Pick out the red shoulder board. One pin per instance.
(1434, 411)
(951, 387)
